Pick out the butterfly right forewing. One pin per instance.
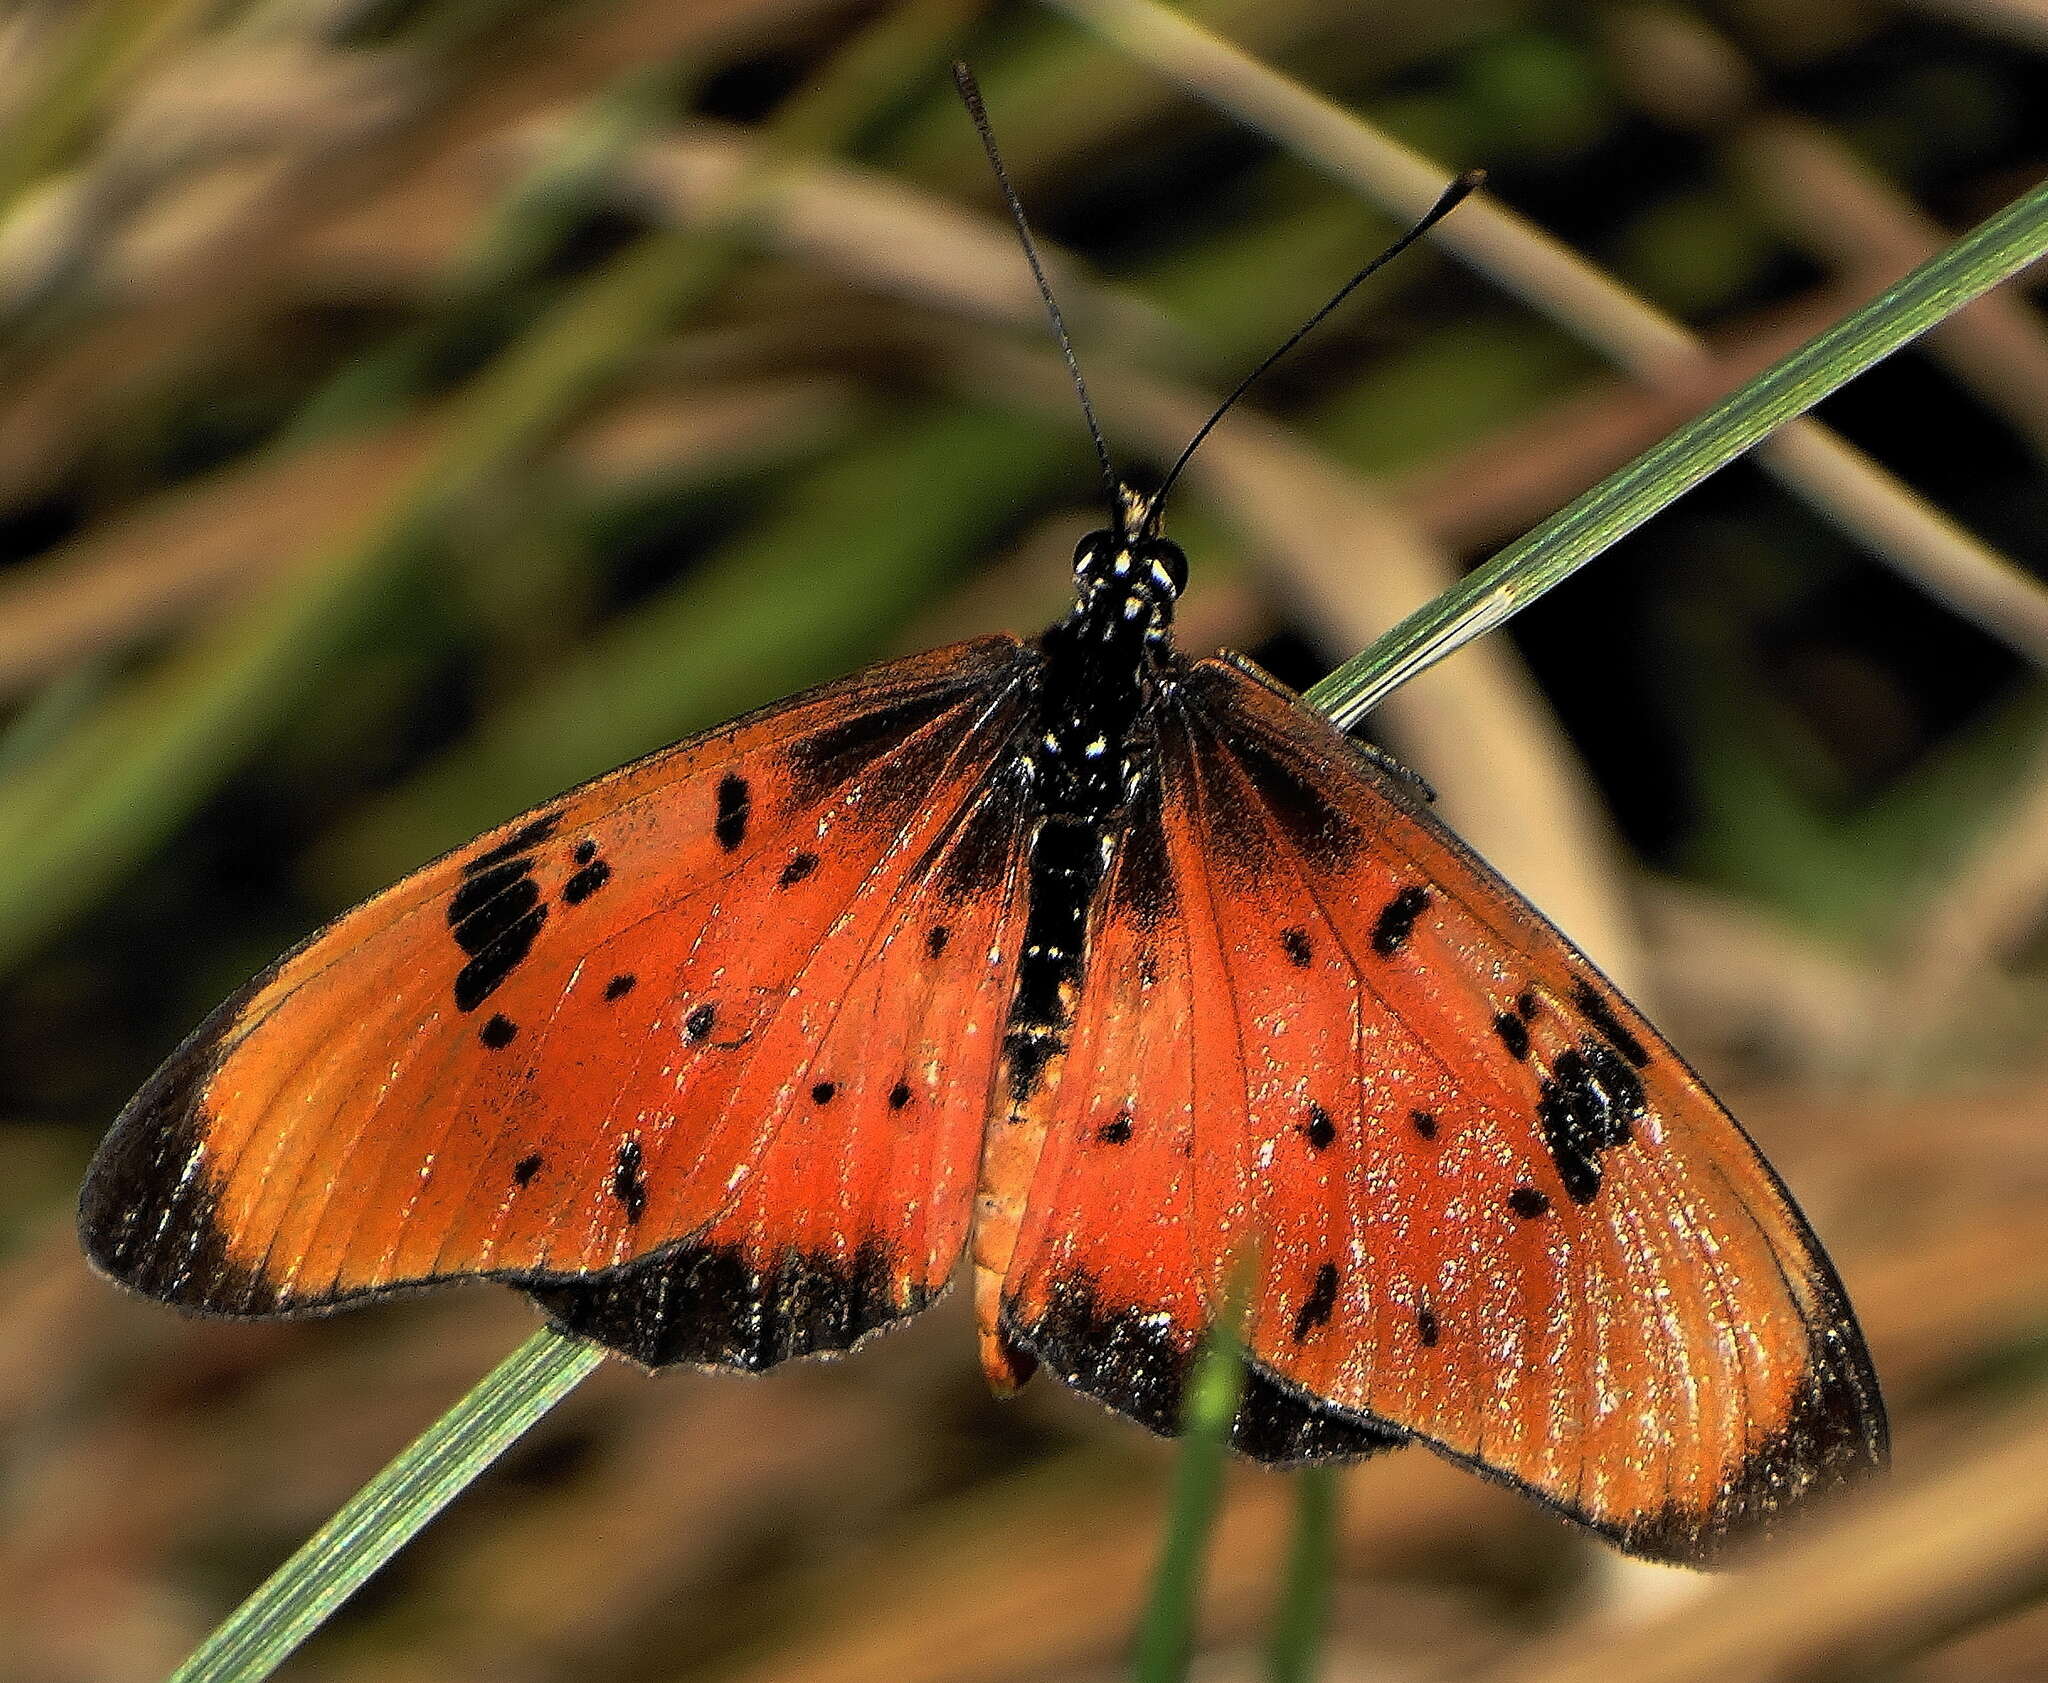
(1526, 1231)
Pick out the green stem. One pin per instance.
(1305, 1590)
(388, 1511)
(1166, 1634)
(1547, 556)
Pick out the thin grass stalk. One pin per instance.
(1166, 1631)
(389, 1511)
(1296, 1644)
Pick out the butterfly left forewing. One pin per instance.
(1558, 1256)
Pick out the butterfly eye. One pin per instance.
(1091, 550)
(1169, 563)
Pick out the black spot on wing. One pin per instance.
(1588, 1104)
(735, 807)
(1116, 1131)
(629, 1183)
(1318, 1129)
(1427, 1328)
(1299, 948)
(1527, 1005)
(1514, 1034)
(1320, 1304)
(620, 985)
(700, 1022)
(525, 839)
(495, 917)
(824, 1092)
(800, 866)
(935, 941)
(899, 1095)
(1600, 1016)
(526, 1168)
(1423, 1122)
(1396, 922)
(481, 977)
(586, 882)
(1137, 1363)
(725, 1306)
(1528, 1202)
(499, 1032)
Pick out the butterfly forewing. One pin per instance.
(1563, 1260)
(659, 1009)
(878, 1066)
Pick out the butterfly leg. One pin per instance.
(1393, 767)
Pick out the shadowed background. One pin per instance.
(407, 409)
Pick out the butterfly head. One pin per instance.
(1128, 572)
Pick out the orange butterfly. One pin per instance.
(1104, 965)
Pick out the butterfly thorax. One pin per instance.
(1103, 660)
(1104, 664)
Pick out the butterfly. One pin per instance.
(1123, 980)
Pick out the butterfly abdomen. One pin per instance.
(1104, 665)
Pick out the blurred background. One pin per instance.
(408, 407)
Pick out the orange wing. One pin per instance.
(698, 1053)
(1485, 1203)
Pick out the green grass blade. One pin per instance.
(1167, 1632)
(1561, 545)
(1304, 1608)
(390, 1510)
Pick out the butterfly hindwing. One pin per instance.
(1484, 1202)
(678, 1051)
(1118, 1253)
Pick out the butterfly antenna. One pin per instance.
(1453, 196)
(970, 95)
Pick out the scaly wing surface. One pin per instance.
(698, 1053)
